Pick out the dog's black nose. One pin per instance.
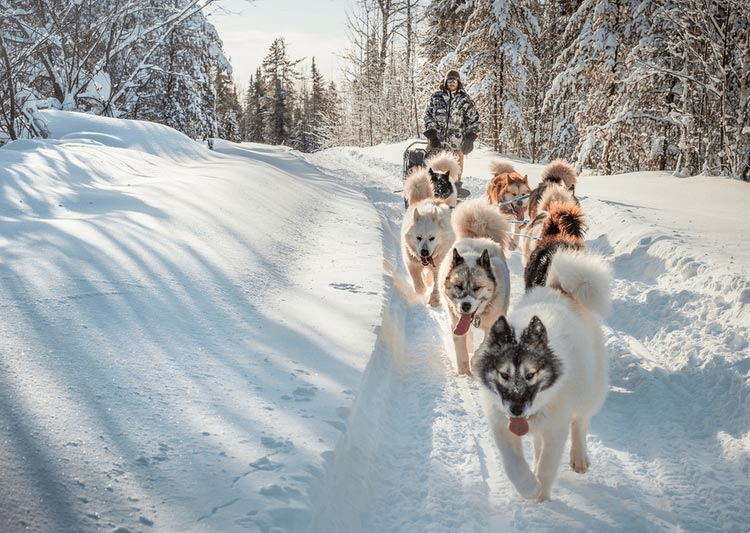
(425, 252)
(465, 307)
(516, 409)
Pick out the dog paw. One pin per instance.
(530, 488)
(579, 464)
(434, 300)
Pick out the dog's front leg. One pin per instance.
(579, 457)
(435, 296)
(462, 354)
(511, 451)
(415, 271)
(548, 455)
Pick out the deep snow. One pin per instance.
(226, 341)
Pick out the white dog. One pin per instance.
(426, 235)
(544, 371)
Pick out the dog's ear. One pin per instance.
(535, 334)
(416, 214)
(457, 259)
(526, 179)
(484, 261)
(501, 331)
(432, 172)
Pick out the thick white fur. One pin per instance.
(561, 170)
(445, 162)
(426, 219)
(418, 186)
(575, 336)
(478, 226)
(477, 218)
(584, 277)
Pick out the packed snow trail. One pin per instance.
(409, 460)
(670, 448)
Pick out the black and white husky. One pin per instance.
(438, 176)
(544, 370)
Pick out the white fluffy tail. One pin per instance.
(417, 186)
(586, 278)
(478, 219)
(444, 162)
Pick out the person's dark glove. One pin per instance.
(468, 143)
(432, 136)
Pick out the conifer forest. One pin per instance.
(612, 85)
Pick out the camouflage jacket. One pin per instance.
(452, 115)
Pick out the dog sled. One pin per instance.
(416, 155)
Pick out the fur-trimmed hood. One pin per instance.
(454, 74)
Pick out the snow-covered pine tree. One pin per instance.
(495, 55)
(182, 90)
(381, 101)
(317, 111)
(591, 75)
(547, 43)
(330, 132)
(254, 113)
(280, 77)
(228, 109)
(691, 86)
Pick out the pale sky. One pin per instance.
(309, 27)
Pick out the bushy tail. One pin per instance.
(417, 186)
(560, 171)
(564, 220)
(555, 193)
(478, 219)
(444, 162)
(500, 166)
(585, 277)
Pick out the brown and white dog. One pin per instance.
(556, 172)
(508, 185)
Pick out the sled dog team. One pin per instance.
(542, 364)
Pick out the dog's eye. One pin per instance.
(432, 239)
(530, 375)
(476, 288)
(505, 376)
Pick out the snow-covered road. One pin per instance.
(227, 341)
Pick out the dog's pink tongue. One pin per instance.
(519, 426)
(462, 328)
(518, 210)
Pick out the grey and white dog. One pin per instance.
(474, 278)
